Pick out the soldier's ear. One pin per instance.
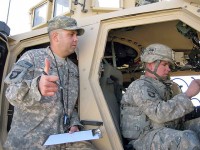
(54, 35)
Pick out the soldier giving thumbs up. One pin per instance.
(47, 83)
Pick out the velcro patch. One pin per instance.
(24, 64)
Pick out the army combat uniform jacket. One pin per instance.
(150, 117)
(35, 116)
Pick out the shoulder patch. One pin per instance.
(18, 72)
(151, 93)
(15, 73)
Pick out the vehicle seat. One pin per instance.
(111, 83)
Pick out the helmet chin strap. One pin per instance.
(157, 62)
(168, 83)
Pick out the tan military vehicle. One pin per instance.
(108, 53)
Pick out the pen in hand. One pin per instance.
(44, 73)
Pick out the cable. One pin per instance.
(181, 80)
(195, 99)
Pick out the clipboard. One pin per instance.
(73, 137)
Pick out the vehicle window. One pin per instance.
(107, 3)
(40, 15)
(61, 6)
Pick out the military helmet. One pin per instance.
(155, 52)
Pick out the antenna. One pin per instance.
(8, 11)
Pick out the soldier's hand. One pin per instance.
(47, 83)
(73, 129)
(193, 89)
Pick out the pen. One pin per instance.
(44, 73)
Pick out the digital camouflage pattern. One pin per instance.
(157, 52)
(36, 117)
(151, 118)
(193, 125)
(64, 22)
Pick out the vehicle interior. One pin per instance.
(121, 64)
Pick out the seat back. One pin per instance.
(111, 84)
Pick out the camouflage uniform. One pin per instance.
(151, 115)
(35, 116)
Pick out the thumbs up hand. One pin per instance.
(47, 83)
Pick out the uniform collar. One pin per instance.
(149, 79)
(60, 61)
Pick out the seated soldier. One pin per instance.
(151, 114)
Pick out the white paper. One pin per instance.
(73, 137)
